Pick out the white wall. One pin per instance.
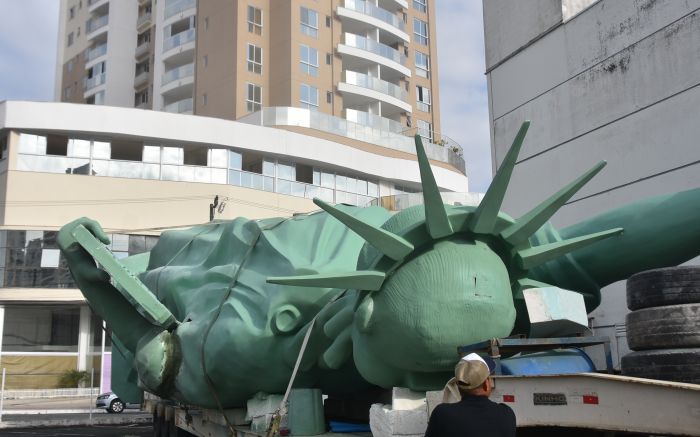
(619, 82)
(121, 45)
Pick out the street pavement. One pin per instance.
(129, 430)
(19, 414)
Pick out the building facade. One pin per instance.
(140, 172)
(614, 80)
(371, 63)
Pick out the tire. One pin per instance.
(671, 326)
(116, 406)
(661, 287)
(681, 365)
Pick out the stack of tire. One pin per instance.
(663, 327)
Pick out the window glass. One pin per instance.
(49, 257)
(372, 189)
(341, 183)
(268, 167)
(101, 150)
(422, 65)
(254, 20)
(254, 58)
(327, 180)
(79, 148)
(40, 328)
(286, 171)
(217, 158)
(420, 5)
(425, 130)
(317, 177)
(172, 155)
(420, 31)
(351, 184)
(120, 243)
(309, 22)
(235, 160)
(33, 144)
(151, 154)
(253, 98)
(361, 187)
(423, 98)
(308, 97)
(309, 60)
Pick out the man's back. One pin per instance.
(472, 416)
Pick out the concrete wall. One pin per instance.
(619, 82)
(121, 44)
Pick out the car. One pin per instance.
(112, 404)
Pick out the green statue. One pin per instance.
(218, 312)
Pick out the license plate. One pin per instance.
(549, 398)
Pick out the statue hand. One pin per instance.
(82, 265)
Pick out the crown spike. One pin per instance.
(362, 280)
(528, 224)
(389, 244)
(534, 256)
(484, 218)
(435, 214)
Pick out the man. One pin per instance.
(473, 415)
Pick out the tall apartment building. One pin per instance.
(371, 64)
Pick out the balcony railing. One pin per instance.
(178, 73)
(376, 12)
(378, 133)
(96, 23)
(143, 19)
(141, 78)
(373, 83)
(179, 39)
(96, 52)
(142, 49)
(177, 6)
(179, 107)
(375, 47)
(373, 121)
(95, 81)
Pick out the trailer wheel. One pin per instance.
(661, 287)
(681, 365)
(664, 327)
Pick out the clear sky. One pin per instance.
(28, 57)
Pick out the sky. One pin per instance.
(28, 58)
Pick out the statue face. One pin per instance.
(456, 293)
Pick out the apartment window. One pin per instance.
(420, 5)
(420, 31)
(329, 97)
(67, 91)
(309, 60)
(70, 39)
(206, 23)
(328, 21)
(253, 98)
(204, 99)
(422, 65)
(308, 97)
(423, 98)
(69, 66)
(205, 58)
(254, 58)
(71, 13)
(309, 22)
(329, 59)
(254, 20)
(77, 32)
(425, 130)
(141, 98)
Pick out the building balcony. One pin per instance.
(94, 81)
(178, 73)
(360, 52)
(96, 52)
(180, 44)
(174, 7)
(361, 89)
(96, 4)
(141, 79)
(96, 26)
(178, 83)
(370, 16)
(142, 49)
(183, 106)
(388, 4)
(143, 22)
(144, 2)
(380, 132)
(374, 121)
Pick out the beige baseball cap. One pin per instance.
(472, 371)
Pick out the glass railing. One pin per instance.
(373, 83)
(385, 134)
(179, 39)
(374, 121)
(143, 19)
(142, 48)
(375, 47)
(184, 105)
(95, 81)
(96, 23)
(96, 52)
(374, 11)
(141, 78)
(399, 202)
(178, 73)
(177, 6)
